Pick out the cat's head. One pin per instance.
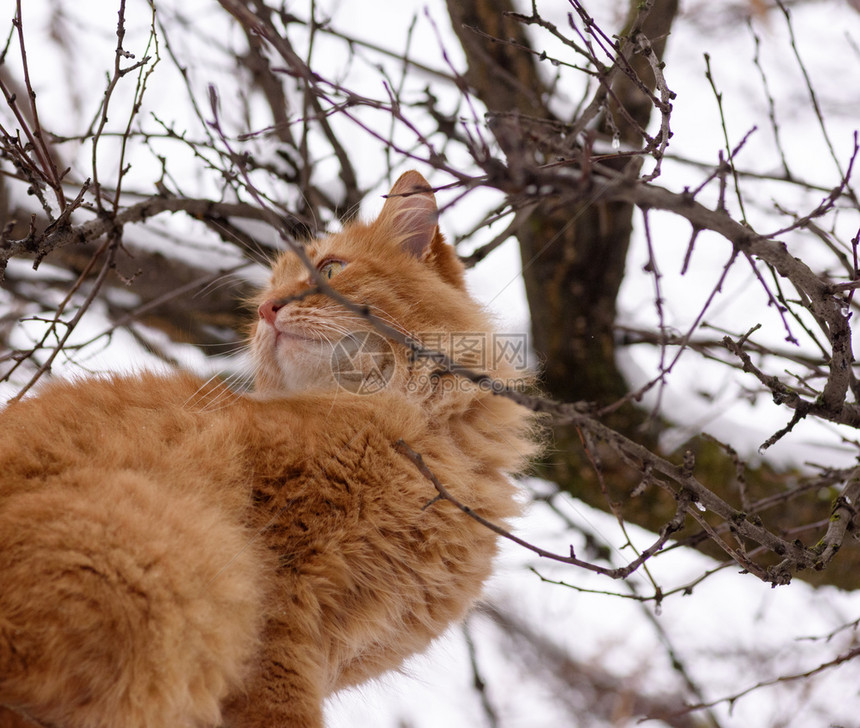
(399, 269)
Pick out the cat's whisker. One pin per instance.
(337, 328)
(220, 400)
(386, 317)
(235, 349)
(199, 392)
(229, 277)
(361, 321)
(207, 401)
(239, 380)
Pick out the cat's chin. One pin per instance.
(296, 375)
(279, 375)
(288, 362)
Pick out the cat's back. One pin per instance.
(166, 425)
(131, 590)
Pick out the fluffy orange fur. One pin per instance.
(175, 554)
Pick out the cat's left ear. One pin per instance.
(410, 209)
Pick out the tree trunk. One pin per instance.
(573, 257)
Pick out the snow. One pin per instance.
(731, 632)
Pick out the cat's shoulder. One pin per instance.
(111, 392)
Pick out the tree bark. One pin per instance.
(573, 257)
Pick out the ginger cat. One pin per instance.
(173, 554)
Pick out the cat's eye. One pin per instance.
(330, 268)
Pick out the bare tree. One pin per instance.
(550, 128)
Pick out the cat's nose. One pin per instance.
(269, 310)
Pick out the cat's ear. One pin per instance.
(410, 210)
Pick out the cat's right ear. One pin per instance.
(410, 210)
